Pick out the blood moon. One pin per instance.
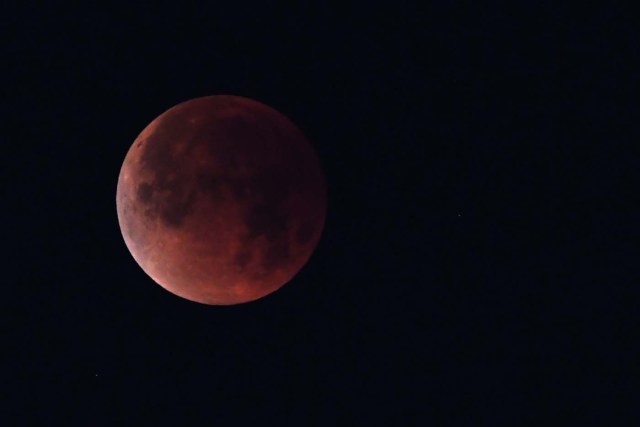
(221, 200)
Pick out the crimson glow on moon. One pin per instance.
(221, 200)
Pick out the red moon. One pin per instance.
(221, 200)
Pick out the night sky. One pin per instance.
(479, 262)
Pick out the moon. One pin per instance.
(221, 200)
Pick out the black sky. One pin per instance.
(479, 265)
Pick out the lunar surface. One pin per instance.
(221, 200)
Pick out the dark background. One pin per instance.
(479, 264)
